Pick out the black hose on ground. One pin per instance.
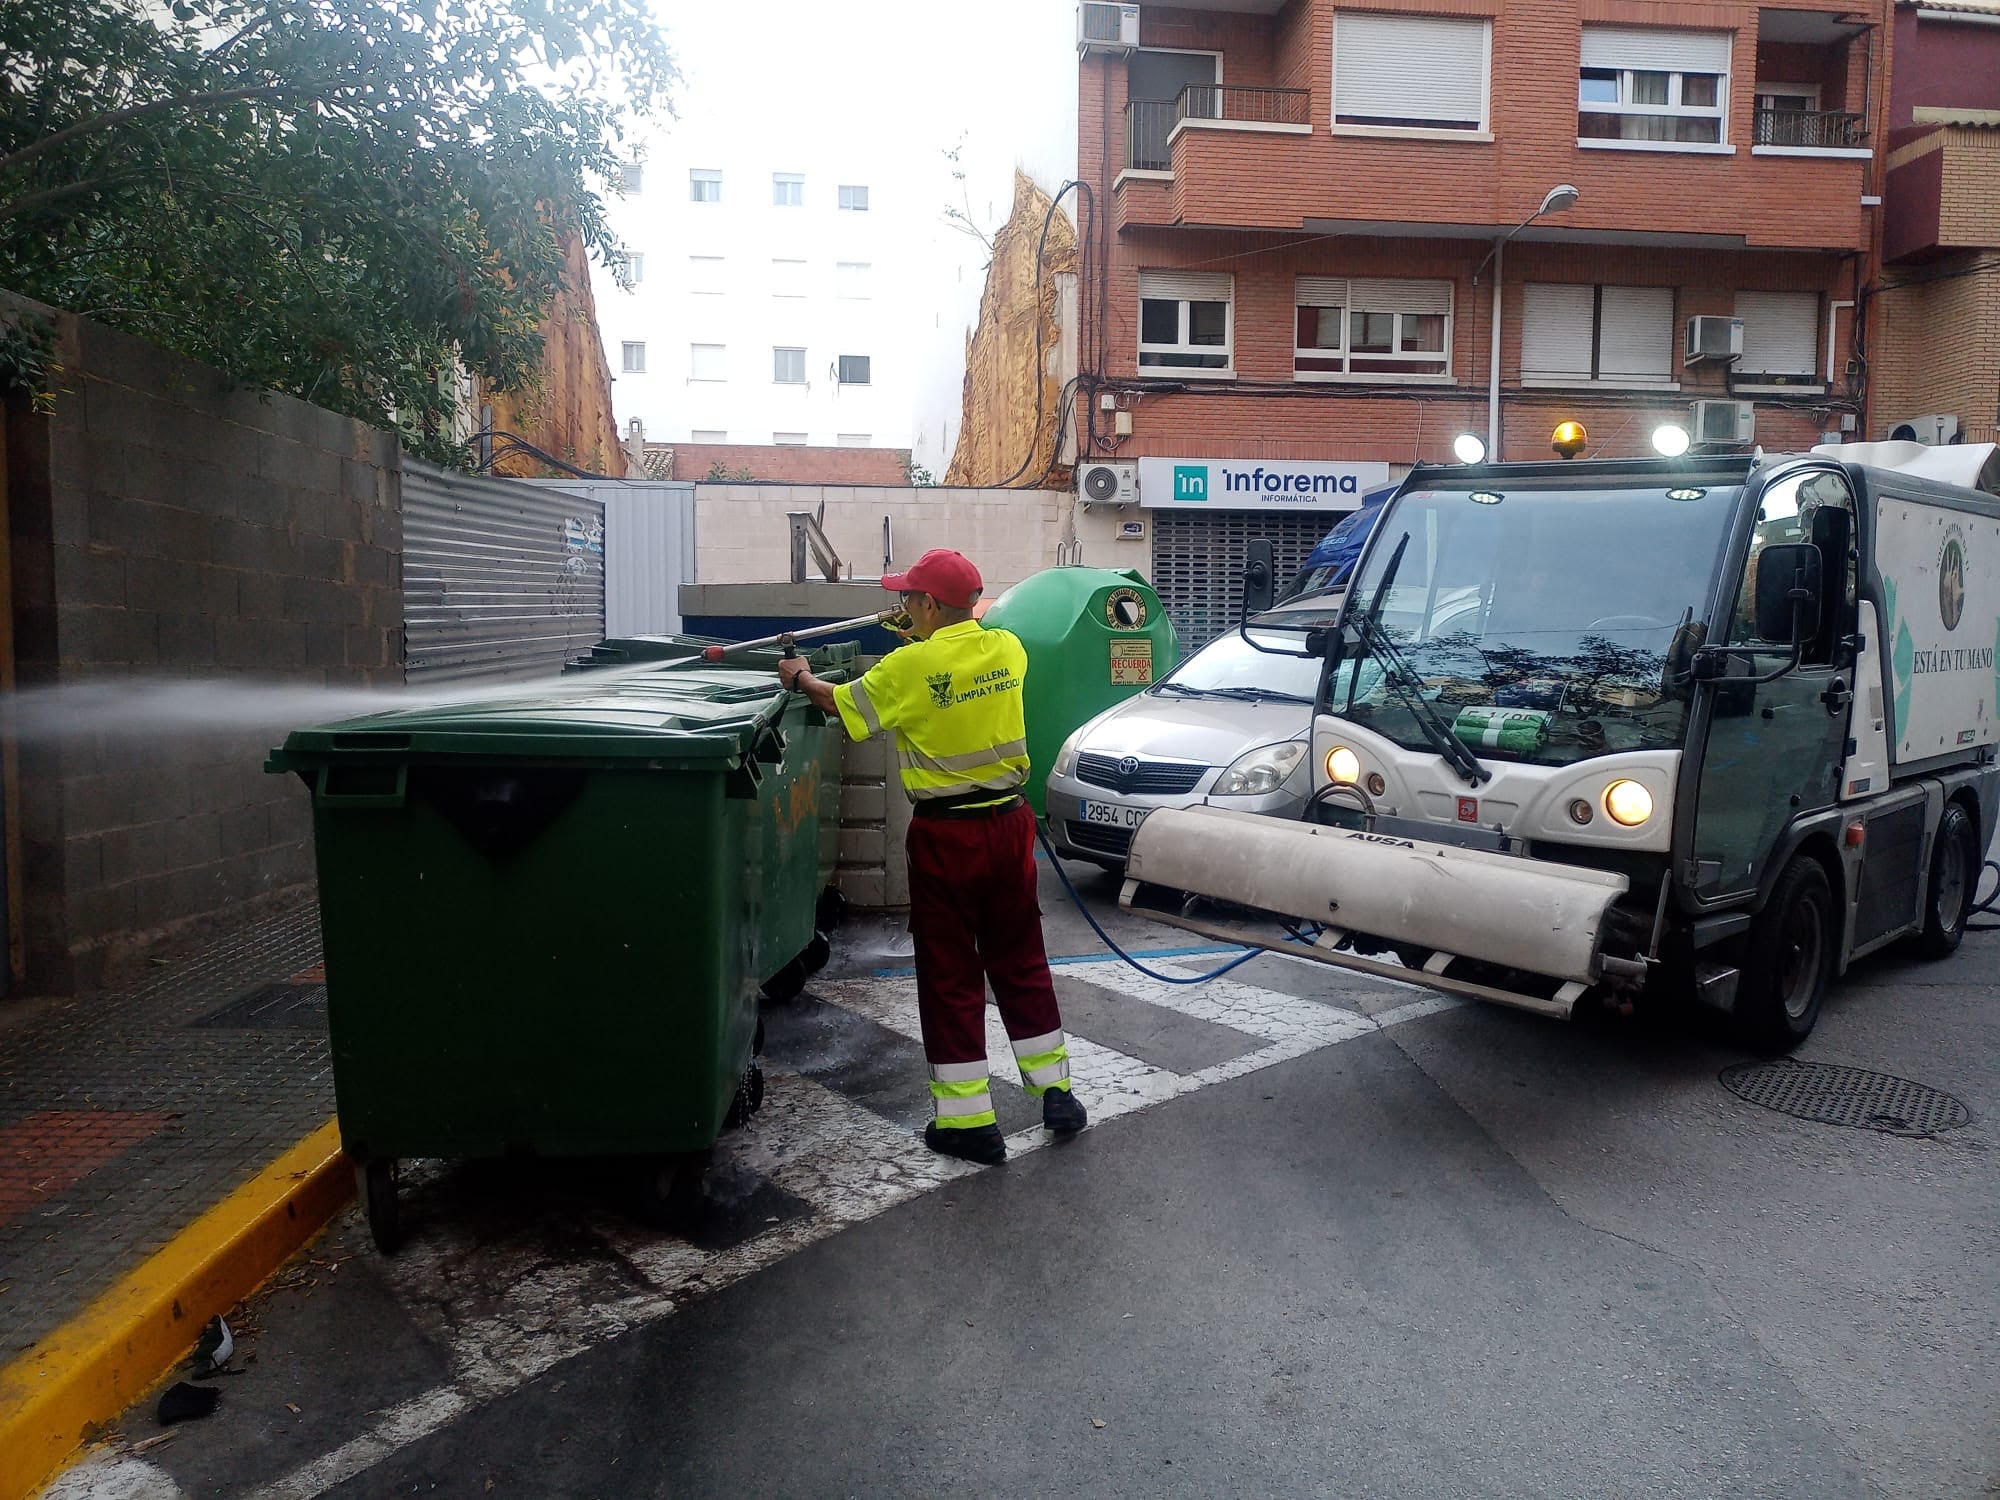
(1987, 907)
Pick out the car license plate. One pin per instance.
(1112, 815)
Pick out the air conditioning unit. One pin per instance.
(1714, 338)
(1722, 423)
(1937, 429)
(1107, 484)
(1103, 27)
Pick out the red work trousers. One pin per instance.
(975, 918)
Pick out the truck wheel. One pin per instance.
(1792, 950)
(1954, 872)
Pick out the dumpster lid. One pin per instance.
(679, 716)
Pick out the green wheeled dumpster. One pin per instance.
(1094, 636)
(547, 918)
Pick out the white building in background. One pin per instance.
(770, 305)
(769, 297)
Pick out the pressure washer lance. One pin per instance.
(893, 618)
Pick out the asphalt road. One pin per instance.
(1325, 1240)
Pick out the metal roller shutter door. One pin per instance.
(1198, 563)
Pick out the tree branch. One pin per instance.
(117, 117)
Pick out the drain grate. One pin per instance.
(1854, 1097)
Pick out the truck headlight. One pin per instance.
(1066, 757)
(1628, 803)
(1261, 771)
(1343, 765)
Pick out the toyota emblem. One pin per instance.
(1129, 766)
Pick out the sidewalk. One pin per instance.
(126, 1117)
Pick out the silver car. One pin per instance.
(1229, 725)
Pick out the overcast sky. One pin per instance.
(913, 80)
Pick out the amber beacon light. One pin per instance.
(1569, 439)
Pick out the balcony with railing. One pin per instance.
(1152, 125)
(1811, 129)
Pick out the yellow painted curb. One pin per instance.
(54, 1397)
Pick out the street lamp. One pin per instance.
(1558, 198)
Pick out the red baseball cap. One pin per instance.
(948, 577)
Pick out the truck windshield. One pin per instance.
(1537, 623)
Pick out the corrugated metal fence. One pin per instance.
(500, 578)
(648, 549)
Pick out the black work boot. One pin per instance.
(982, 1143)
(1063, 1112)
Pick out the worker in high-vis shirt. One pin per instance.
(953, 698)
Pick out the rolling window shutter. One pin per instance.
(1648, 49)
(1186, 286)
(1321, 291)
(1398, 67)
(1780, 332)
(1555, 331)
(1636, 333)
(1399, 296)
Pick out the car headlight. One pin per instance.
(1628, 803)
(1261, 771)
(1066, 757)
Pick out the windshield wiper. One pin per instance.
(1181, 687)
(1396, 671)
(1257, 695)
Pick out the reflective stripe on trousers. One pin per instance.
(961, 1095)
(1043, 1061)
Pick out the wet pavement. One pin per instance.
(1325, 1236)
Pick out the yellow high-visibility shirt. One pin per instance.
(955, 703)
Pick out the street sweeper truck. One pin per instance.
(1710, 727)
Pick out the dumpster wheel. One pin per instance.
(670, 1191)
(790, 981)
(376, 1182)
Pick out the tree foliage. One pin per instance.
(336, 198)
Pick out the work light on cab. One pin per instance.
(1569, 439)
(1628, 803)
(1343, 765)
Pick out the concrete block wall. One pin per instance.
(165, 528)
(874, 818)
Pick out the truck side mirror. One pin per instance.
(1260, 576)
(1789, 589)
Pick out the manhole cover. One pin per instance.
(275, 1007)
(1845, 1096)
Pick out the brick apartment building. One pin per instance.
(1934, 353)
(1292, 207)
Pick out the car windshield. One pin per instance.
(1226, 667)
(1537, 623)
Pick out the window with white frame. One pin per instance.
(1604, 335)
(853, 198)
(789, 439)
(788, 190)
(1654, 86)
(704, 185)
(850, 279)
(788, 366)
(855, 439)
(705, 362)
(634, 270)
(1185, 320)
(788, 278)
(855, 369)
(1370, 328)
(631, 178)
(705, 275)
(708, 435)
(633, 358)
(1411, 72)
(1780, 333)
